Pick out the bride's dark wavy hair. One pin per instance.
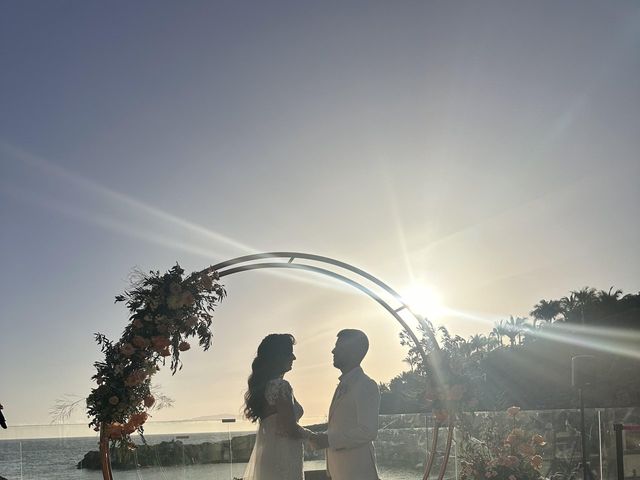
(266, 366)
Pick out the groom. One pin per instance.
(353, 414)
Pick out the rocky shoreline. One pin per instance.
(401, 442)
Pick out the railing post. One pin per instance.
(617, 428)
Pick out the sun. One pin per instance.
(424, 300)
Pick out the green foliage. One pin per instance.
(529, 363)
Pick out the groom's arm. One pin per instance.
(367, 400)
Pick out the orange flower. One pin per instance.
(136, 378)
(160, 342)
(127, 350)
(137, 419)
(526, 449)
(140, 342)
(538, 440)
(128, 428)
(513, 411)
(114, 430)
(536, 461)
(184, 346)
(191, 321)
(164, 352)
(149, 400)
(188, 299)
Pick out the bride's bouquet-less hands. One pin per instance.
(516, 458)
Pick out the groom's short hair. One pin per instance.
(357, 340)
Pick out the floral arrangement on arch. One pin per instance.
(165, 312)
(516, 457)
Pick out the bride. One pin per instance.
(278, 451)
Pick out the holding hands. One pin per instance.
(318, 441)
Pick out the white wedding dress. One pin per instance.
(276, 456)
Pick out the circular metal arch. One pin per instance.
(286, 260)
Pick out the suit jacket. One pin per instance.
(352, 427)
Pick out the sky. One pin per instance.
(486, 152)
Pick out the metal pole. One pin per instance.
(455, 446)
(20, 460)
(617, 428)
(600, 441)
(585, 467)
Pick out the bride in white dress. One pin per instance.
(278, 451)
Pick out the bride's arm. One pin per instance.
(287, 424)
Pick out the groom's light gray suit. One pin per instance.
(352, 427)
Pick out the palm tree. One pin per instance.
(477, 343)
(608, 300)
(569, 305)
(573, 305)
(499, 331)
(546, 311)
(492, 341)
(515, 327)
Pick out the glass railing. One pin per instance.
(195, 450)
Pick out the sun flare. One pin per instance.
(424, 300)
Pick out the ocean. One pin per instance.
(56, 459)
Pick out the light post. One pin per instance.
(582, 371)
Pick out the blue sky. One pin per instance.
(486, 149)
